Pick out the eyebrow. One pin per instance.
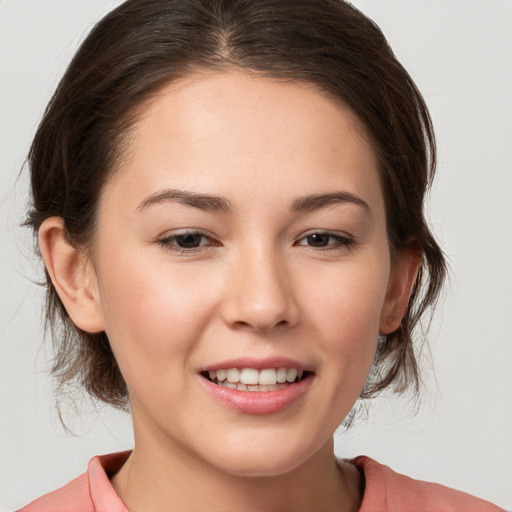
(201, 201)
(317, 201)
(217, 203)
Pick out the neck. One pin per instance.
(162, 480)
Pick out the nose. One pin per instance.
(260, 293)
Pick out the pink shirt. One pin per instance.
(386, 491)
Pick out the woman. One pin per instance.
(228, 198)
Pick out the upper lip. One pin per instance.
(258, 364)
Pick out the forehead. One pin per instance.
(225, 130)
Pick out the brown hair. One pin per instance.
(143, 45)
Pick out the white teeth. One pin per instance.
(281, 375)
(249, 376)
(267, 377)
(250, 379)
(244, 387)
(291, 375)
(233, 375)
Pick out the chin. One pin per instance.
(261, 468)
(263, 459)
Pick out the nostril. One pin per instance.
(259, 326)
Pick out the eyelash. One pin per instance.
(340, 240)
(170, 242)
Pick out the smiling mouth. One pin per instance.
(251, 379)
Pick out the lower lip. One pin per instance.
(258, 402)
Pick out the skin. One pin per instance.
(258, 285)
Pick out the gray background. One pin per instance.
(460, 54)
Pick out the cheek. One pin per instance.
(345, 314)
(346, 302)
(153, 317)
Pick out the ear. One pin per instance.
(72, 275)
(404, 269)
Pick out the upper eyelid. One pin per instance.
(165, 240)
(199, 231)
(184, 232)
(342, 241)
(196, 231)
(334, 233)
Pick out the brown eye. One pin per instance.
(318, 240)
(187, 241)
(190, 240)
(325, 241)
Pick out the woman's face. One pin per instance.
(243, 242)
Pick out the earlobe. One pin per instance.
(72, 275)
(403, 274)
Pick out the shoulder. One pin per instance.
(90, 492)
(387, 490)
(73, 496)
